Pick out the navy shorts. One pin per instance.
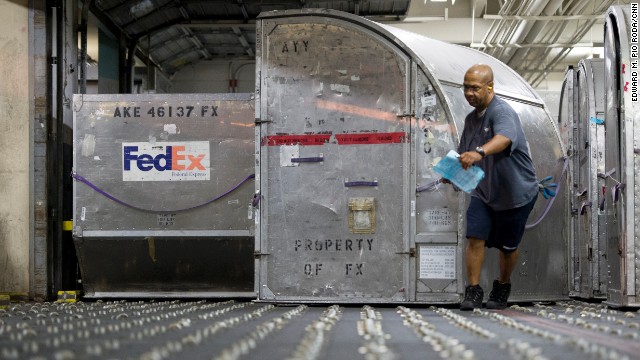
(500, 229)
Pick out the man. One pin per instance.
(499, 207)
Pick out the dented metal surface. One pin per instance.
(162, 194)
(366, 111)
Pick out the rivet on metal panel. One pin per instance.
(362, 215)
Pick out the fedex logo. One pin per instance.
(164, 161)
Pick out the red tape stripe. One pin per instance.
(371, 138)
(342, 139)
(304, 139)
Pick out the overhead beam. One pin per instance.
(251, 25)
(176, 56)
(154, 13)
(537, 45)
(243, 41)
(544, 17)
(477, 7)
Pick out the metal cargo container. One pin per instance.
(162, 194)
(622, 159)
(589, 240)
(353, 115)
(568, 110)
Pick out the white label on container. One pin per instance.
(428, 100)
(83, 213)
(437, 262)
(88, 145)
(166, 161)
(340, 88)
(171, 128)
(288, 152)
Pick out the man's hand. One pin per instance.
(469, 158)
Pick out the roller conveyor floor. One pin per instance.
(248, 330)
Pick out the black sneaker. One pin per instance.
(499, 295)
(473, 295)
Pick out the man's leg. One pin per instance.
(479, 225)
(499, 294)
(473, 293)
(474, 260)
(511, 228)
(508, 262)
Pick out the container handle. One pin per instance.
(314, 159)
(348, 183)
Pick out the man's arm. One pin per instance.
(497, 144)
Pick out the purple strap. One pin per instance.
(615, 191)
(360, 183)
(553, 198)
(111, 197)
(307, 159)
(429, 187)
(584, 205)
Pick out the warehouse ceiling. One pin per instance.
(534, 37)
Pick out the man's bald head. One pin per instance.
(478, 86)
(482, 72)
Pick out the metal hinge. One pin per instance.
(258, 121)
(257, 254)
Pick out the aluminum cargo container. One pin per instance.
(589, 241)
(622, 159)
(353, 115)
(567, 116)
(162, 194)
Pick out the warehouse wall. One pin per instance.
(14, 146)
(214, 76)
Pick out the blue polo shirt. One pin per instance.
(510, 177)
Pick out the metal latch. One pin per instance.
(411, 252)
(257, 254)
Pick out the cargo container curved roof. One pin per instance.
(446, 62)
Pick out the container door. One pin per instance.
(568, 132)
(589, 161)
(439, 276)
(333, 154)
(615, 162)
